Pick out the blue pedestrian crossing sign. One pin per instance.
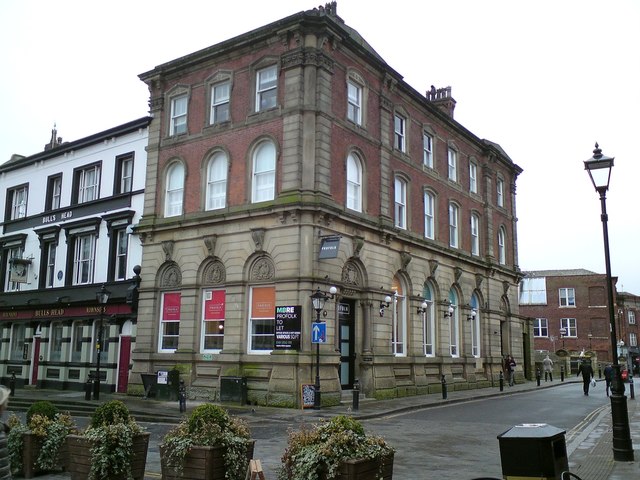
(318, 332)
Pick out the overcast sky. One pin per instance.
(545, 79)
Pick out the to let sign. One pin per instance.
(288, 321)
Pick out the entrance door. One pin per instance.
(124, 357)
(346, 321)
(123, 364)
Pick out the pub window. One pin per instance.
(17, 341)
(77, 342)
(55, 342)
(123, 182)
(54, 192)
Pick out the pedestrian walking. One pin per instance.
(547, 366)
(586, 371)
(5, 469)
(182, 396)
(510, 368)
(608, 376)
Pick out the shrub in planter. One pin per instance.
(112, 446)
(208, 426)
(43, 408)
(40, 445)
(331, 449)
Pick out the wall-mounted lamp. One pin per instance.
(423, 307)
(473, 314)
(449, 312)
(385, 304)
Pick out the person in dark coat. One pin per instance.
(5, 468)
(587, 374)
(608, 376)
(510, 369)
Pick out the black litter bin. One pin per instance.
(162, 385)
(533, 450)
(233, 389)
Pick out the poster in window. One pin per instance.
(214, 305)
(263, 302)
(171, 307)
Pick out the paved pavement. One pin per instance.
(589, 451)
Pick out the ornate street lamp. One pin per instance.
(599, 168)
(318, 299)
(563, 332)
(102, 297)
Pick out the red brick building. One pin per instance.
(627, 317)
(294, 158)
(570, 313)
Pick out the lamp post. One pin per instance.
(318, 299)
(590, 336)
(599, 168)
(102, 297)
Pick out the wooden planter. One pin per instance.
(356, 469)
(31, 451)
(201, 463)
(79, 463)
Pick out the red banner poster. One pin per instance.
(214, 303)
(171, 307)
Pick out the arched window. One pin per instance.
(264, 173)
(428, 322)
(399, 320)
(174, 192)
(502, 254)
(354, 183)
(454, 330)
(475, 326)
(216, 181)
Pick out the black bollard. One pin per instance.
(355, 403)
(538, 377)
(632, 394)
(599, 371)
(562, 373)
(87, 389)
(12, 384)
(182, 396)
(501, 381)
(444, 388)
